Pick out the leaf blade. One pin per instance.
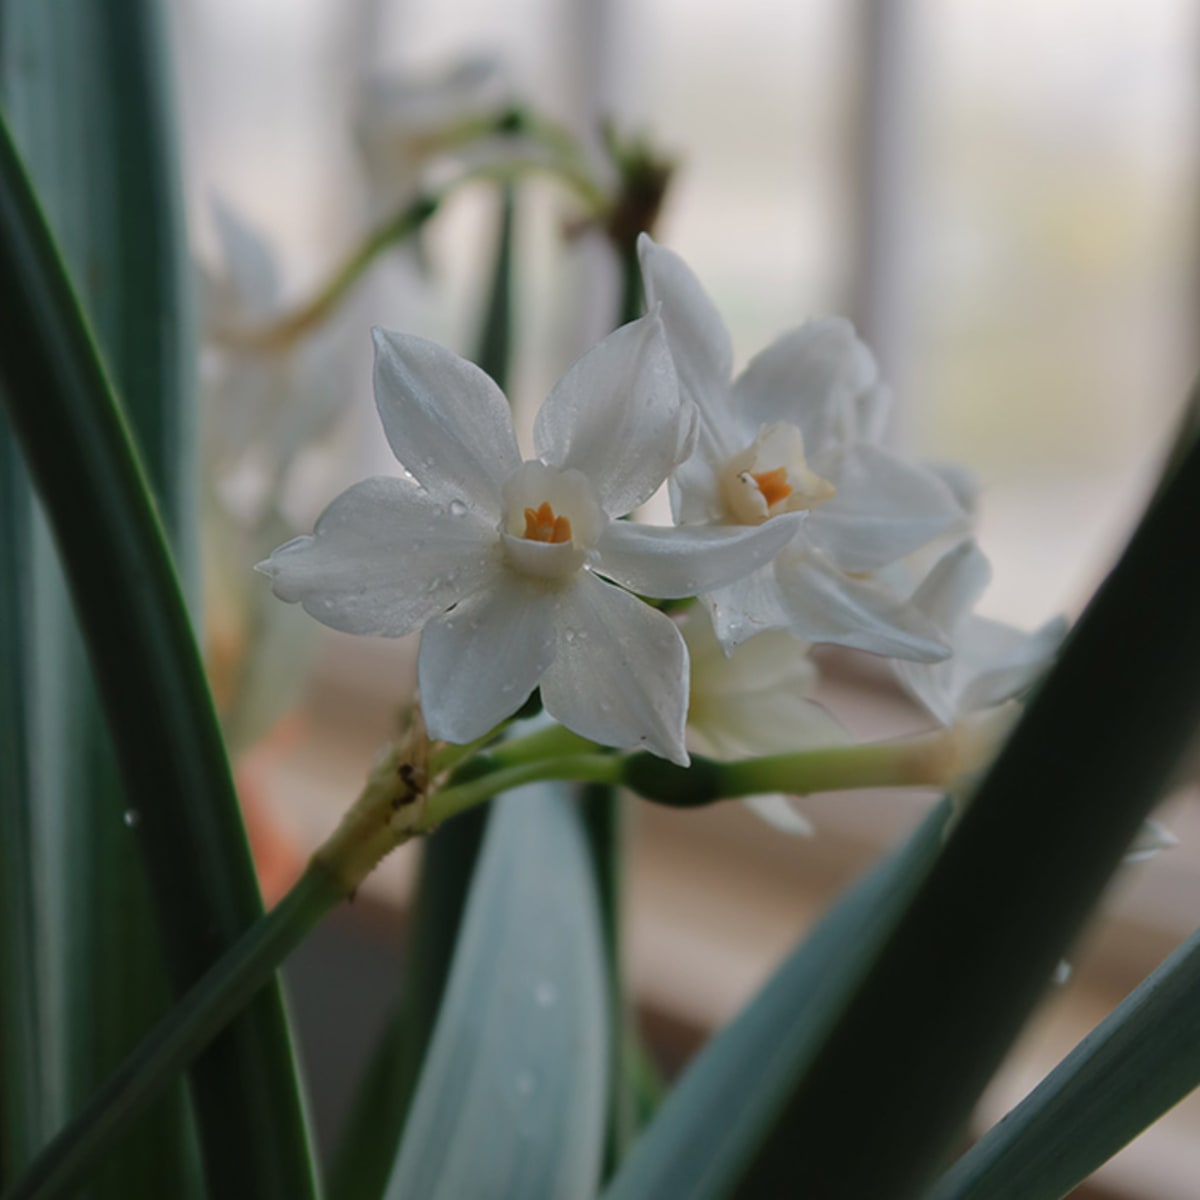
(516, 1069)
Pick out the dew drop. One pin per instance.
(570, 635)
(524, 1084)
(132, 818)
(545, 994)
(458, 508)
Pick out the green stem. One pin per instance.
(182, 1034)
(929, 760)
(585, 768)
(288, 329)
(554, 741)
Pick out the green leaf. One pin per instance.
(1142, 1059)
(888, 1095)
(87, 102)
(371, 1138)
(178, 795)
(511, 1098)
(23, 1046)
(717, 1116)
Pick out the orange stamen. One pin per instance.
(541, 525)
(773, 485)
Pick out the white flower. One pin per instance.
(755, 701)
(266, 403)
(799, 431)
(500, 561)
(405, 120)
(991, 662)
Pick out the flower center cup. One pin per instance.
(772, 476)
(551, 521)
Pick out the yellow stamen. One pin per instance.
(541, 525)
(773, 485)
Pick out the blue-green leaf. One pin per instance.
(511, 1100)
(1142, 1059)
(177, 802)
(718, 1115)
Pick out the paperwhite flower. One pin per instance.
(500, 561)
(991, 662)
(799, 431)
(405, 120)
(753, 702)
(268, 402)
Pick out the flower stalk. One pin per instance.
(284, 332)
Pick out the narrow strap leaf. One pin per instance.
(716, 1117)
(1139, 1062)
(511, 1098)
(181, 803)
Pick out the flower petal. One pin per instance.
(953, 588)
(884, 509)
(616, 415)
(446, 421)
(1003, 661)
(992, 662)
(1151, 839)
(383, 558)
(479, 662)
(813, 377)
(825, 605)
(620, 671)
(695, 492)
(748, 607)
(247, 262)
(686, 560)
(777, 810)
(699, 341)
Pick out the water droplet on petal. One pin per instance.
(524, 1084)
(132, 818)
(545, 994)
(458, 508)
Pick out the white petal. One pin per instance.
(616, 416)
(1003, 661)
(953, 588)
(383, 559)
(777, 810)
(479, 662)
(962, 483)
(884, 509)
(750, 606)
(757, 700)
(248, 263)
(1151, 839)
(689, 559)
(699, 342)
(620, 671)
(446, 421)
(812, 377)
(695, 492)
(825, 605)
